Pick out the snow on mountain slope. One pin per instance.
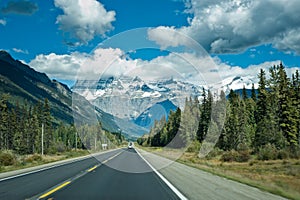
(137, 101)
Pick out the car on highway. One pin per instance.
(130, 145)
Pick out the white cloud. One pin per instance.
(20, 51)
(3, 22)
(189, 67)
(84, 19)
(166, 36)
(223, 26)
(105, 62)
(251, 72)
(59, 66)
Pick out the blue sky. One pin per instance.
(235, 32)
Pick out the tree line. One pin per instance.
(22, 126)
(269, 116)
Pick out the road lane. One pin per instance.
(197, 184)
(114, 178)
(26, 186)
(114, 181)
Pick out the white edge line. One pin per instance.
(54, 166)
(172, 187)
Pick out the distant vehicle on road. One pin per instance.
(130, 145)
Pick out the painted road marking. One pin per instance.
(105, 161)
(76, 177)
(55, 189)
(57, 165)
(91, 169)
(172, 187)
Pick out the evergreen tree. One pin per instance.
(296, 100)
(205, 116)
(4, 125)
(253, 93)
(287, 120)
(47, 121)
(189, 122)
(244, 93)
(262, 134)
(261, 108)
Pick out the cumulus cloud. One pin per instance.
(59, 66)
(105, 62)
(3, 22)
(22, 7)
(166, 37)
(189, 67)
(184, 66)
(223, 26)
(247, 75)
(84, 19)
(83, 66)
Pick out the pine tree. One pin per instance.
(296, 101)
(287, 120)
(262, 134)
(4, 125)
(205, 116)
(244, 93)
(189, 122)
(253, 93)
(47, 121)
(35, 131)
(261, 108)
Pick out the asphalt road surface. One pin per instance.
(125, 174)
(91, 179)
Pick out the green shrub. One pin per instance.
(295, 153)
(33, 158)
(194, 147)
(214, 153)
(229, 156)
(267, 152)
(243, 156)
(237, 156)
(243, 147)
(283, 154)
(57, 147)
(7, 158)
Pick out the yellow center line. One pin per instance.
(105, 161)
(55, 189)
(68, 182)
(91, 169)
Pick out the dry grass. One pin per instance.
(25, 161)
(281, 177)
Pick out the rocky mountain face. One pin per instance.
(143, 102)
(156, 112)
(129, 97)
(126, 104)
(24, 84)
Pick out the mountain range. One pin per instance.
(25, 85)
(126, 104)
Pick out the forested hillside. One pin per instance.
(30, 102)
(268, 120)
(22, 126)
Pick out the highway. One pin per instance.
(124, 174)
(91, 178)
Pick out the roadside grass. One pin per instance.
(10, 161)
(280, 177)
